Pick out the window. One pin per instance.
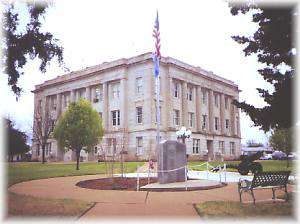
(204, 97)
(116, 90)
(176, 117)
(204, 118)
(216, 100)
(221, 147)
(139, 115)
(190, 93)
(176, 89)
(139, 145)
(226, 103)
(115, 117)
(216, 123)
(96, 150)
(227, 124)
(232, 148)
(139, 85)
(191, 119)
(98, 95)
(196, 146)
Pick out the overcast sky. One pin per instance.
(196, 32)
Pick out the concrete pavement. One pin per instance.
(111, 203)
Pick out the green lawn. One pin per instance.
(18, 172)
(230, 209)
(20, 206)
(268, 165)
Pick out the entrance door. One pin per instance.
(210, 149)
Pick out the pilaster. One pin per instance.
(222, 115)
(184, 105)
(105, 106)
(88, 93)
(198, 108)
(210, 111)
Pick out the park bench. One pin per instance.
(265, 180)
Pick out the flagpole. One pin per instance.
(157, 106)
(156, 58)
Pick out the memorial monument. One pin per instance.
(171, 162)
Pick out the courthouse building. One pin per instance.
(123, 92)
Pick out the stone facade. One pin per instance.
(123, 92)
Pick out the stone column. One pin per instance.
(169, 102)
(198, 108)
(232, 117)
(105, 106)
(167, 106)
(72, 96)
(88, 93)
(152, 99)
(123, 100)
(222, 114)
(184, 105)
(58, 104)
(210, 111)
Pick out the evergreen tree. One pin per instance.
(274, 45)
(16, 140)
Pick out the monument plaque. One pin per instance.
(171, 156)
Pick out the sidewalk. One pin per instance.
(109, 203)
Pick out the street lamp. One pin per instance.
(183, 133)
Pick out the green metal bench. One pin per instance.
(265, 180)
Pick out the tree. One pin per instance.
(275, 47)
(282, 140)
(43, 125)
(18, 47)
(17, 139)
(79, 128)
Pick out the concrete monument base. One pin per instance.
(190, 185)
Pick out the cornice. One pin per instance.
(125, 63)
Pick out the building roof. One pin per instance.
(133, 60)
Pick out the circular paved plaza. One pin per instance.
(110, 203)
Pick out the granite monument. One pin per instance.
(171, 156)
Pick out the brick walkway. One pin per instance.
(109, 203)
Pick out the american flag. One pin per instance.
(156, 35)
(157, 55)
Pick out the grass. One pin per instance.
(21, 205)
(19, 172)
(229, 209)
(268, 165)
(27, 206)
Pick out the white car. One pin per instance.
(266, 157)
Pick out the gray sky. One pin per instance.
(196, 32)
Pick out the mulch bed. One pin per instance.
(118, 183)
